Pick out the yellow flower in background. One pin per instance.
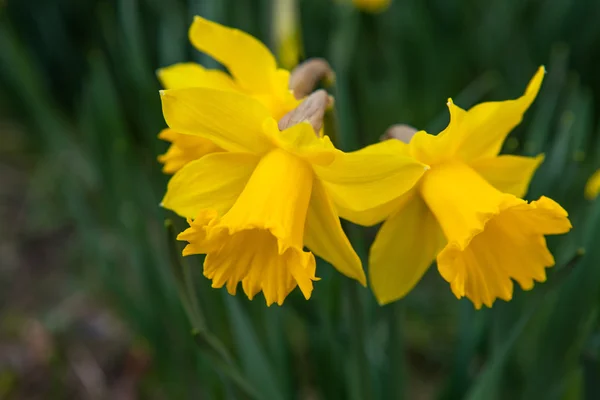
(253, 71)
(372, 6)
(592, 188)
(253, 207)
(286, 29)
(466, 211)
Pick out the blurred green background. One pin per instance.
(91, 296)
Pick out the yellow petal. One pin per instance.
(324, 236)
(214, 181)
(362, 180)
(592, 188)
(486, 125)
(509, 174)
(183, 149)
(404, 248)
(231, 120)
(249, 61)
(435, 149)
(276, 197)
(477, 133)
(371, 216)
(492, 237)
(460, 199)
(277, 96)
(300, 140)
(186, 75)
(259, 240)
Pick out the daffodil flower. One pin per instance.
(466, 210)
(253, 72)
(592, 188)
(253, 207)
(286, 29)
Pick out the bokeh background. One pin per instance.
(91, 296)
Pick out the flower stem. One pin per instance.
(396, 350)
(357, 325)
(211, 347)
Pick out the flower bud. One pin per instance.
(401, 132)
(306, 76)
(312, 109)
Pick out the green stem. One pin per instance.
(183, 280)
(396, 350)
(358, 338)
(220, 358)
(211, 347)
(193, 296)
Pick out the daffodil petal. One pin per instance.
(324, 236)
(186, 75)
(300, 140)
(509, 174)
(249, 61)
(183, 149)
(371, 216)
(432, 149)
(212, 182)
(485, 126)
(232, 121)
(404, 248)
(367, 178)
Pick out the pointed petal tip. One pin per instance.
(385, 300)
(180, 237)
(382, 302)
(540, 159)
(362, 279)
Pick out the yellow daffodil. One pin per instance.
(592, 188)
(372, 6)
(253, 72)
(253, 207)
(467, 211)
